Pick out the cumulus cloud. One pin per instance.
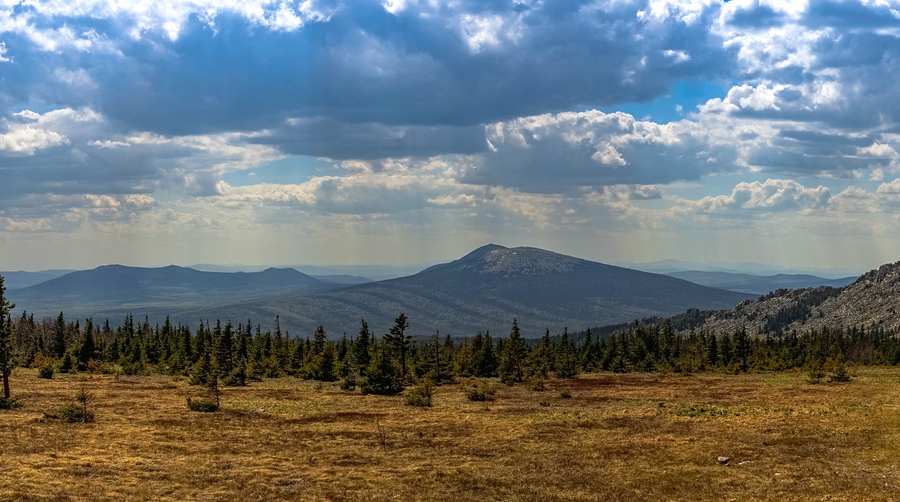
(771, 195)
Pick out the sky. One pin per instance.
(401, 131)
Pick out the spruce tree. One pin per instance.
(362, 348)
(58, 342)
(400, 343)
(566, 363)
(382, 375)
(6, 339)
(512, 362)
(88, 345)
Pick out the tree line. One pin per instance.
(235, 355)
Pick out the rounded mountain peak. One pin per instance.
(494, 259)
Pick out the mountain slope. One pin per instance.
(19, 280)
(873, 299)
(758, 285)
(484, 290)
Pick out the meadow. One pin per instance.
(617, 437)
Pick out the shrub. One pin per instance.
(815, 373)
(46, 370)
(202, 405)
(67, 365)
(237, 378)
(256, 372)
(348, 384)
(133, 368)
(565, 394)
(78, 411)
(537, 385)
(421, 394)
(480, 392)
(840, 373)
(8, 403)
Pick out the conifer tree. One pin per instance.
(400, 343)
(512, 362)
(6, 339)
(88, 345)
(382, 375)
(540, 359)
(362, 348)
(58, 343)
(566, 365)
(484, 360)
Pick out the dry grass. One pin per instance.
(619, 437)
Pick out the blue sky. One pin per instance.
(405, 131)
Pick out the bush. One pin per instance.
(237, 378)
(815, 373)
(8, 403)
(202, 405)
(348, 384)
(480, 393)
(256, 372)
(565, 394)
(67, 365)
(840, 373)
(537, 385)
(421, 394)
(46, 371)
(78, 411)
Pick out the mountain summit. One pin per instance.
(499, 260)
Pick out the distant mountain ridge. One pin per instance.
(483, 290)
(137, 284)
(758, 285)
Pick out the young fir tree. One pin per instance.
(566, 362)
(540, 360)
(484, 359)
(512, 362)
(58, 342)
(362, 348)
(401, 343)
(88, 345)
(382, 375)
(6, 339)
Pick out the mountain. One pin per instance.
(19, 280)
(485, 290)
(117, 284)
(669, 266)
(369, 272)
(343, 279)
(872, 299)
(758, 285)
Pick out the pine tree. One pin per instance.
(382, 375)
(566, 365)
(58, 343)
(362, 348)
(484, 360)
(88, 345)
(400, 343)
(6, 339)
(512, 362)
(540, 359)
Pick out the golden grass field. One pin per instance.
(618, 438)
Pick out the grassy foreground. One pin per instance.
(619, 437)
